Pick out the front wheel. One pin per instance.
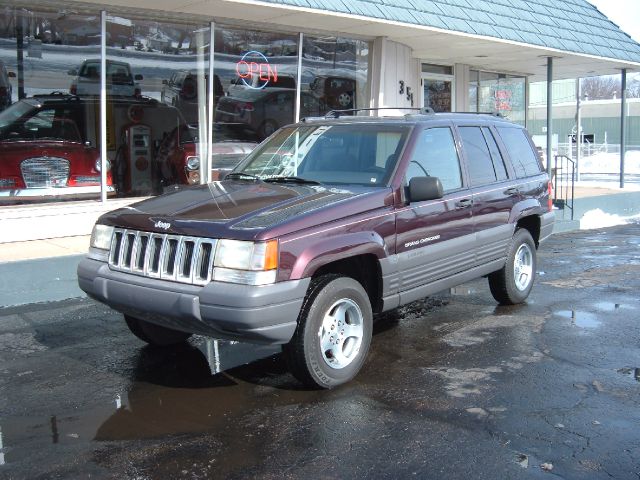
(333, 335)
(512, 283)
(153, 334)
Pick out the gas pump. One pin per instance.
(135, 169)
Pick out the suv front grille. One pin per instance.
(45, 172)
(168, 257)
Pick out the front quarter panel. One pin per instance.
(301, 256)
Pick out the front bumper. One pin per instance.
(54, 191)
(255, 314)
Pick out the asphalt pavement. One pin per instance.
(454, 387)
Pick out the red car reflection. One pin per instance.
(179, 162)
(44, 149)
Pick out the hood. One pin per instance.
(244, 210)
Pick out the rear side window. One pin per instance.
(496, 156)
(479, 161)
(436, 156)
(524, 159)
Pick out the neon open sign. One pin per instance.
(255, 71)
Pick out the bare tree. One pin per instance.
(601, 88)
(610, 86)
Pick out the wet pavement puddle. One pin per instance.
(580, 319)
(589, 320)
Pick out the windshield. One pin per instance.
(348, 154)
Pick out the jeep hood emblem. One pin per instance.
(162, 225)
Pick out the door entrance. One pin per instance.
(437, 87)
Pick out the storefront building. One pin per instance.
(102, 101)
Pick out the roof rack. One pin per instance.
(339, 113)
(493, 114)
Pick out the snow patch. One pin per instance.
(600, 219)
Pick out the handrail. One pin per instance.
(563, 178)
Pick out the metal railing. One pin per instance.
(563, 179)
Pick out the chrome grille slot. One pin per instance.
(140, 252)
(45, 172)
(169, 254)
(128, 242)
(168, 257)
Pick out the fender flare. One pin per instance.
(330, 249)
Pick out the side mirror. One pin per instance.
(73, 71)
(425, 188)
(11, 75)
(138, 77)
(165, 82)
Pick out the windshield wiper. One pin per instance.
(299, 180)
(242, 176)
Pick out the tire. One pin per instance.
(512, 283)
(267, 128)
(314, 355)
(153, 334)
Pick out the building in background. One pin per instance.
(231, 72)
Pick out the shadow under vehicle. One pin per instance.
(120, 80)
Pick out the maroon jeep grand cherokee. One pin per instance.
(323, 225)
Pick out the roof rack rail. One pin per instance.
(493, 114)
(339, 113)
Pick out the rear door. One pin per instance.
(435, 238)
(494, 194)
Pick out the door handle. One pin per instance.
(464, 203)
(512, 191)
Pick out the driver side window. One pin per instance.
(435, 155)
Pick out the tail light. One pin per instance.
(550, 201)
(245, 107)
(73, 89)
(3, 91)
(137, 92)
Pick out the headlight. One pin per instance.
(99, 165)
(193, 163)
(253, 263)
(101, 237)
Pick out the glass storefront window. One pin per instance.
(495, 92)
(157, 79)
(156, 74)
(49, 141)
(334, 75)
(258, 73)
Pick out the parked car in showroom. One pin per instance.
(179, 162)
(181, 91)
(120, 80)
(6, 90)
(46, 149)
(263, 111)
(324, 224)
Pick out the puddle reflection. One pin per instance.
(197, 389)
(580, 319)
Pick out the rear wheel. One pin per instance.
(513, 282)
(333, 335)
(155, 334)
